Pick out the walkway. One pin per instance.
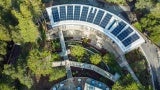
(64, 54)
(87, 66)
(150, 51)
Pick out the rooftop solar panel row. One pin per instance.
(76, 12)
(55, 14)
(98, 17)
(125, 33)
(114, 21)
(105, 21)
(130, 40)
(91, 15)
(62, 13)
(119, 28)
(84, 13)
(69, 12)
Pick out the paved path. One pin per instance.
(125, 64)
(151, 54)
(64, 54)
(86, 66)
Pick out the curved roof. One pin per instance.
(122, 33)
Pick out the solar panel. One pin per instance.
(55, 14)
(111, 24)
(70, 12)
(105, 21)
(125, 33)
(91, 15)
(119, 28)
(76, 12)
(62, 13)
(130, 39)
(84, 13)
(98, 17)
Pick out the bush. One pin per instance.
(95, 59)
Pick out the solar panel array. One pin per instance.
(96, 16)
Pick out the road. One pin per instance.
(150, 52)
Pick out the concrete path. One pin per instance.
(86, 66)
(150, 51)
(64, 54)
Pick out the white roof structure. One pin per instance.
(121, 32)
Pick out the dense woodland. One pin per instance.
(17, 27)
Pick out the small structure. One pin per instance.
(80, 83)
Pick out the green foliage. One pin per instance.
(155, 11)
(117, 86)
(26, 27)
(55, 45)
(95, 59)
(139, 65)
(3, 48)
(123, 2)
(4, 86)
(127, 83)
(4, 34)
(138, 26)
(55, 57)
(57, 73)
(5, 3)
(18, 72)
(39, 62)
(144, 4)
(109, 59)
(150, 20)
(77, 51)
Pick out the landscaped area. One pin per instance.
(27, 55)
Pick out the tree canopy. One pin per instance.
(77, 51)
(40, 62)
(127, 83)
(19, 73)
(3, 46)
(95, 59)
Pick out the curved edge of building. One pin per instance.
(121, 32)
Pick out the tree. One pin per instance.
(39, 62)
(123, 2)
(144, 4)
(117, 86)
(6, 3)
(77, 51)
(95, 59)
(127, 83)
(3, 48)
(55, 57)
(26, 27)
(4, 86)
(57, 73)
(18, 72)
(110, 60)
(4, 34)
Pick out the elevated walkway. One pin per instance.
(86, 66)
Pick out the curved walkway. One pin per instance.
(86, 66)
